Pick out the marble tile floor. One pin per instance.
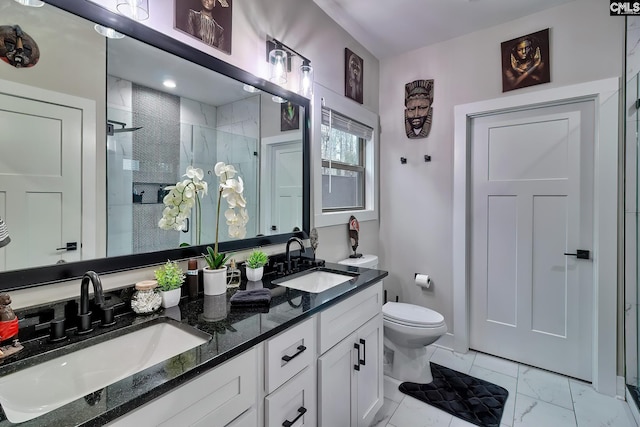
(537, 398)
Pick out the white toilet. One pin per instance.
(408, 329)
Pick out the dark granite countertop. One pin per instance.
(233, 330)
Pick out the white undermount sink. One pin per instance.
(34, 391)
(316, 280)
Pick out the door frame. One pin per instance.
(605, 93)
(267, 145)
(88, 175)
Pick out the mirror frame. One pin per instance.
(38, 276)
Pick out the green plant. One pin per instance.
(257, 259)
(170, 276)
(215, 260)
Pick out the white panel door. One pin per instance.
(287, 185)
(532, 202)
(40, 180)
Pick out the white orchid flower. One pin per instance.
(195, 174)
(221, 169)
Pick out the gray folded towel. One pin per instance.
(251, 297)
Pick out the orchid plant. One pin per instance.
(181, 199)
(230, 188)
(187, 193)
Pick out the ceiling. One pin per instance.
(388, 28)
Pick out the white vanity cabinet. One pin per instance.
(290, 377)
(350, 377)
(224, 396)
(325, 371)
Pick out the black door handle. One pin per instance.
(357, 347)
(288, 358)
(186, 230)
(70, 246)
(301, 411)
(363, 361)
(580, 254)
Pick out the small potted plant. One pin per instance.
(255, 265)
(214, 276)
(170, 278)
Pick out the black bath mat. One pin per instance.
(471, 399)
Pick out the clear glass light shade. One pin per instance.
(306, 81)
(278, 61)
(134, 9)
(108, 32)
(31, 3)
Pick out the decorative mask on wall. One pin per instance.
(17, 48)
(418, 98)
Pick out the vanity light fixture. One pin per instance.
(306, 79)
(135, 9)
(279, 64)
(107, 32)
(31, 3)
(169, 83)
(280, 57)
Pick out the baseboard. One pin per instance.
(391, 391)
(445, 341)
(632, 406)
(621, 388)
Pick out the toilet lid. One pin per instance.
(411, 314)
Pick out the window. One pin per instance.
(345, 149)
(343, 153)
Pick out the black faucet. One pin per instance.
(288, 254)
(84, 315)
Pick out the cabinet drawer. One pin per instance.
(294, 401)
(213, 399)
(248, 419)
(289, 353)
(339, 321)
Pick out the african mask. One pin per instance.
(418, 98)
(17, 48)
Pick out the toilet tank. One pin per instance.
(366, 261)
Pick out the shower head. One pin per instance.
(111, 129)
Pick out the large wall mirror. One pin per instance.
(92, 136)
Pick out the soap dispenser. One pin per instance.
(233, 275)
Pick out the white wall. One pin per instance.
(416, 199)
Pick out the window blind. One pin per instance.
(335, 120)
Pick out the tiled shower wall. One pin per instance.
(156, 147)
(143, 161)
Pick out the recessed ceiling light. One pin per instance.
(169, 83)
(31, 3)
(278, 99)
(108, 32)
(250, 89)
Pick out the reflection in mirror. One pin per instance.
(143, 137)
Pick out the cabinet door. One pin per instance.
(336, 386)
(369, 379)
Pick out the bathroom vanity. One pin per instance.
(308, 358)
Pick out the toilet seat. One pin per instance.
(411, 315)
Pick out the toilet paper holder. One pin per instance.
(422, 280)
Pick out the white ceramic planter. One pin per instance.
(214, 281)
(170, 298)
(254, 274)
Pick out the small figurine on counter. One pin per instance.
(8, 328)
(354, 230)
